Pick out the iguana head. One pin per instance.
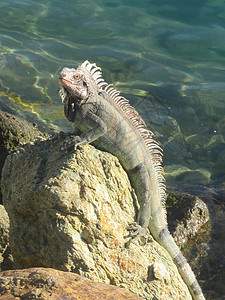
(73, 82)
(80, 83)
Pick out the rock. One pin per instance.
(40, 283)
(70, 211)
(4, 235)
(180, 174)
(186, 215)
(4, 229)
(14, 132)
(206, 251)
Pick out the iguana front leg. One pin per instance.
(97, 129)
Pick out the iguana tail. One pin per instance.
(165, 239)
(152, 213)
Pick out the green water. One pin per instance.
(167, 57)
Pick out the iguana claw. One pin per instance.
(71, 142)
(135, 232)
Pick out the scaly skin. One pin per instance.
(106, 120)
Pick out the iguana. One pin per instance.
(107, 120)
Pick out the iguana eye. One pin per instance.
(77, 76)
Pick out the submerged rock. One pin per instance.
(70, 211)
(40, 283)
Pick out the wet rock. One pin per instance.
(209, 244)
(14, 132)
(70, 211)
(40, 283)
(206, 251)
(186, 215)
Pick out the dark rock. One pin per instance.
(206, 250)
(186, 215)
(14, 132)
(210, 247)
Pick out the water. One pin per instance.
(168, 58)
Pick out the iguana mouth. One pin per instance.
(63, 80)
(80, 90)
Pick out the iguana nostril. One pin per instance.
(62, 75)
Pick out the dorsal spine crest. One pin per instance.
(152, 146)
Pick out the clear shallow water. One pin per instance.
(168, 58)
